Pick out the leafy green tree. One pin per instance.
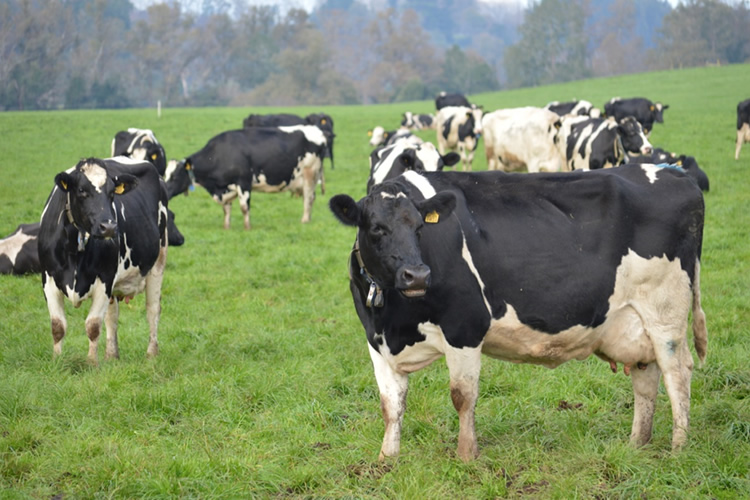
(466, 73)
(704, 31)
(553, 45)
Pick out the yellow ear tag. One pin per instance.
(652, 108)
(153, 156)
(323, 121)
(64, 185)
(432, 217)
(119, 189)
(679, 163)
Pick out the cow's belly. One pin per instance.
(128, 282)
(650, 304)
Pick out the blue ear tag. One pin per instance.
(192, 187)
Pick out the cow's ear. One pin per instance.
(345, 209)
(451, 159)
(124, 183)
(63, 181)
(408, 158)
(437, 208)
(369, 133)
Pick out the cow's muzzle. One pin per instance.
(106, 230)
(413, 281)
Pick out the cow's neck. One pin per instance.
(83, 236)
(375, 293)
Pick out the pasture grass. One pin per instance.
(263, 386)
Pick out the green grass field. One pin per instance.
(263, 386)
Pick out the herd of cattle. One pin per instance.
(571, 261)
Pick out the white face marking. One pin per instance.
(420, 183)
(96, 175)
(377, 136)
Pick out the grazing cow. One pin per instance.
(527, 137)
(689, 164)
(593, 143)
(459, 128)
(644, 111)
(444, 99)
(574, 108)
(140, 144)
(235, 163)
(391, 161)
(103, 236)
(321, 120)
(18, 252)
(418, 122)
(743, 126)
(539, 268)
(382, 137)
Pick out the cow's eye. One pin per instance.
(82, 192)
(377, 230)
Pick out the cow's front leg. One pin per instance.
(113, 315)
(464, 365)
(154, 281)
(308, 191)
(56, 308)
(393, 387)
(94, 320)
(227, 206)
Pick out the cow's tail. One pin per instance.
(700, 332)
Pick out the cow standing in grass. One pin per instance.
(103, 237)
(538, 268)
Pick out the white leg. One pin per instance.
(738, 147)
(393, 387)
(94, 320)
(308, 192)
(227, 213)
(464, 366)
(113, 315)
(244, 197)
(676, 364)
(153, 301)
(645, 389)
(56, 308)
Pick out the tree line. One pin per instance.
(72, 54)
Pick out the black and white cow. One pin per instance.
(644, 111)
(268, 159)
(444, 99)
(743, 126)
(574, 108)
(382, 137)
(389, 162)
(18, 251)
(593, 143)
(526, 137)
(689, 164)
(103, 237)
(140, 144)
(538, 268)
(321, 120)
(418, 121)
(459, 128)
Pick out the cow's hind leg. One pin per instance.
(113, 315)
(244, 196)
(645, 389)
(464, 365)
(393, 387)
(740, 140)
(676, 364)
(153, 300)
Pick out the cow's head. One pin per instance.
(179, 177)
(154, 154)
(633, 138)
(425, 157)
(325, 123)
(658, 111)
(476, 114)
(378, 136)
(389, 223)
(91, 190)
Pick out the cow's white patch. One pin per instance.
(651, 170)
(466, 255)
(420, 183)
(96, 175)
(171, 169)
(130, 281)
(648, 310)
(312, 133)
(12, 245)
(419, 355)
